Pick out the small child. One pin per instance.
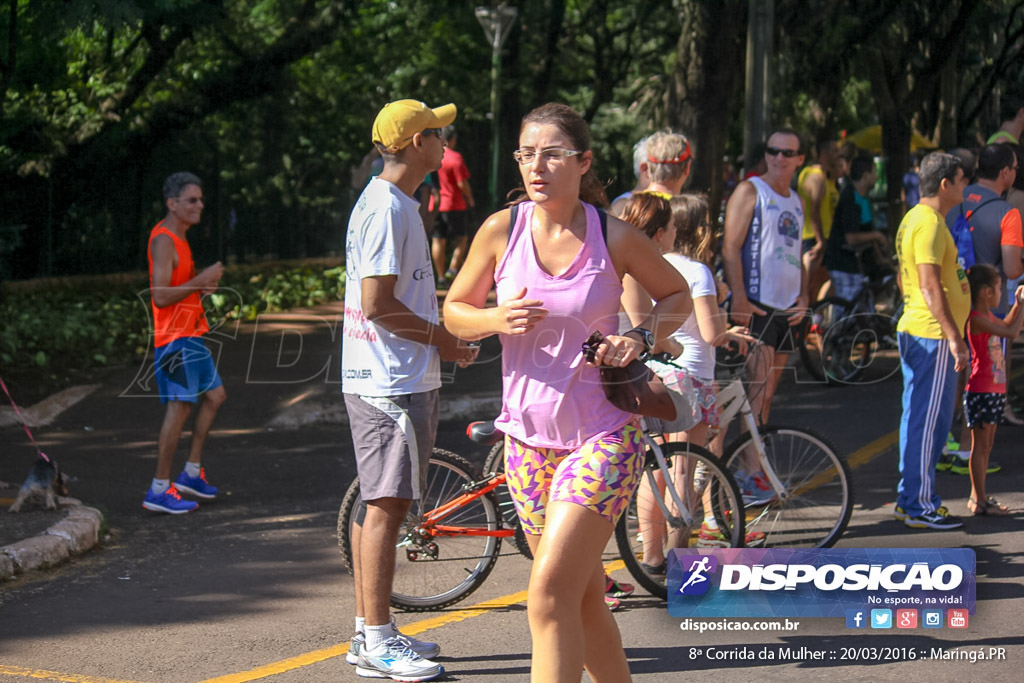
(985, 393)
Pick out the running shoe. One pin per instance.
(655, 569)
(951, 444)
(755, 489)
(615, 589)
(394, 659)
(899, 513)
(424, 648)
(962, 465)
(940, 519)
(169, 501)
(714, 538)
(196, 486)
(355, 646)
(612, 603)
(946, 461)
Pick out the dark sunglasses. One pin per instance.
(788, 153)
(432, 131)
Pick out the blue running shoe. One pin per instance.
(196, 486)
(169, 501)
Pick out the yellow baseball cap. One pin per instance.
(398, 121)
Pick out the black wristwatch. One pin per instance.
(647, 339)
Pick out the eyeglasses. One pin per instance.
(432, 131)
(775, 151)
(550, 155)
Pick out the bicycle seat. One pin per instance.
(484, 432)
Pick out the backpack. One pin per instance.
(962, 235)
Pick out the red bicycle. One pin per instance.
(452, 538)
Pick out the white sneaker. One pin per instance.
(424, 648)
(394, 659)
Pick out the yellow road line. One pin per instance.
(865, 454)
(42, 674)
(413, 629)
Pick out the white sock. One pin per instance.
(360, 624)
(192, 469)
(710, 522)
(376, 635)
(160, 485)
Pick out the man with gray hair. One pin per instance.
(932, 349)
(668, 163)
(183, 365)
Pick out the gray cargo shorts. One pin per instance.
(393, 437)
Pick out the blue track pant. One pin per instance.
(929, 392)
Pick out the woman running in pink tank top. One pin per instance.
(573, 460)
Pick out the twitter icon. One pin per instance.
(881, 618)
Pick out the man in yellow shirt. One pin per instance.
(816, 185)
(937, 301)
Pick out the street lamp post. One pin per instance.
(496, 23)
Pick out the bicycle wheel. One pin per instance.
(824, 314)
(848, 348)
(433, 571)
(705, 487)
(817, 502)
(495, 462)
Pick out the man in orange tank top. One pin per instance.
(184, 368)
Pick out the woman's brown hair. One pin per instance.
(694, 237)
(648, 212)
(567, 120)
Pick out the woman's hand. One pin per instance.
(519, 315)
(740, 336)
(618, 351)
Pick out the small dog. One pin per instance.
(46, 481)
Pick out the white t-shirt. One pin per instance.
(386, 237)
(698, 356)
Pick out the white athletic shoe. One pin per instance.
(394, 659)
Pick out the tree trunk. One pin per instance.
(706, 85)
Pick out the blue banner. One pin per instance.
(816, 582)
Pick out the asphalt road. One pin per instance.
(252, 586)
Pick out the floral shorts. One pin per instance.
(706, 398)
(600, 476)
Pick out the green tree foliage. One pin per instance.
(271, 101)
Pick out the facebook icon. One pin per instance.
(856, 618)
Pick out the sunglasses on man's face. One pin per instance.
(788, 153)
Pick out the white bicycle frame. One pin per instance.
(683, 518)
(732, 401)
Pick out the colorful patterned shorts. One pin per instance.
(706, 398)
(600, 476)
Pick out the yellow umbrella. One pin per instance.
(870, 139)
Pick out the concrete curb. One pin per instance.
(331, 410)
(74, 535)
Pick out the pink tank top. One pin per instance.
(550, 397)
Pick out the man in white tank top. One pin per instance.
(761, 256)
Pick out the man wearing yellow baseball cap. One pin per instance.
(391, 373)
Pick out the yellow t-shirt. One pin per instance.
(923, 238)
(828, 201)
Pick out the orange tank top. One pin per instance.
(185, 318)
